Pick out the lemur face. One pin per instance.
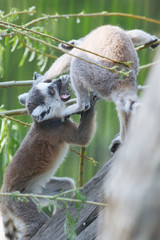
(46, 99)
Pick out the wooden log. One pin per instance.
(87, 224)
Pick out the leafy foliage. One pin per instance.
(21, 39)
(9, 142)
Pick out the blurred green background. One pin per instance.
(73, 28)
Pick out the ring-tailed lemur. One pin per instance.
(41, 153)
(117, 44)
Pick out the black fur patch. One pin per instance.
(45, 113)
(36, 98)
(51, 123)
(10, 235)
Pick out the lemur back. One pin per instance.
(40, 154)
(114, 43)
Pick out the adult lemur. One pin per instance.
(41, 153)
(116, 44)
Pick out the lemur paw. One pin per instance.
(93, 98)
(116, 142)
(154, 40)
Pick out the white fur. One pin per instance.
(2, 236)
(54, 106)
(36, 184)
(16, 223)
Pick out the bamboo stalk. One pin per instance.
(81, 167)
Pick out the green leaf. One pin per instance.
(15, 43)
(1, 14)
(44, 64)
(24, 57)
(32, 8)
(12, 196)
(9, 30)
(70, 227)
(32, 56)
(1, 60)
(80, 196)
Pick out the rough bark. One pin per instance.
(87, 225)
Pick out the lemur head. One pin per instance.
(46, 99)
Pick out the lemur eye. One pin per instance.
(48, 81)
(51, 90)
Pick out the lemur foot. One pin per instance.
(154, 40)
(116, 142)
(93, 98)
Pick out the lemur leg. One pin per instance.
(83, 100)
(24, 224)
(125, 107)
(55, 186)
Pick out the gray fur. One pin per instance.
(117, 44)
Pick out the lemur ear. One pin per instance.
(22, 98)
(36, 75)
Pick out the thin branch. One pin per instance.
(37, 51)
(86, 157)
(81, 167)
(101, 14)
(128, 64)
(148, 65)
(15, 120)
(48, 197)
(29, 82)
(55, 47)
(15, 112)
(23, 111)
(18, 13)
(16, 83)
(140, 88)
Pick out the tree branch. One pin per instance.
(48, 197)
(18, 13)
(128, 64)
(16, 83)
(81, 167)
(81, 15)
(23, 111)
(15, 120)
(37, 51)
(15, 112)
(86, 157)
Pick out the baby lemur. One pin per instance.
(41, 153)
(114, 43)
